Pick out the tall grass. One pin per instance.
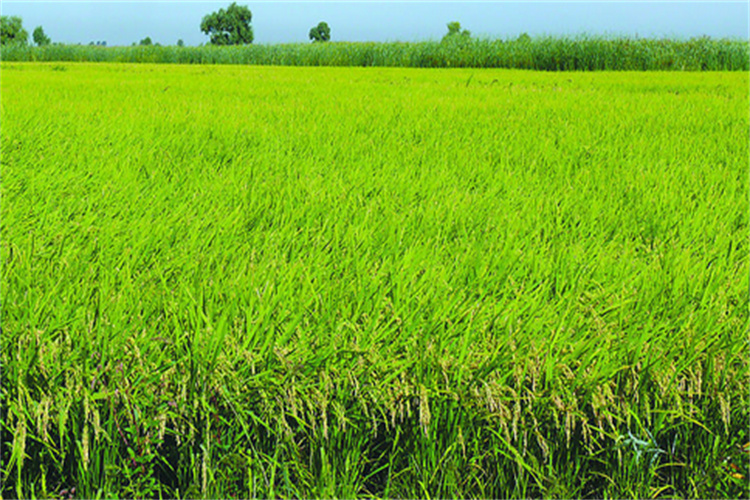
(543, 53)
(344, 282)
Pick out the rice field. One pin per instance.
(253, 281)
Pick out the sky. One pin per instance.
(125, 22)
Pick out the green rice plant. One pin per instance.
(246, 281)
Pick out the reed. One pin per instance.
(582, 53)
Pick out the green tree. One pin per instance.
(180, 43)
(146, 41)
(320, 33)
(455, 31)
(40, 38)
(11, 30)
(230, 26)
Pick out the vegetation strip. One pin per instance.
(540, 53)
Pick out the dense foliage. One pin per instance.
(12, 31)
(230, 26)
(550, 54)
(338, 282)
(40, 37)
(320, 33)
(454, 30)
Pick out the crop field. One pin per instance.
(244, 281)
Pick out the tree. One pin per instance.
(180, 43)
(455, 31)
(320, 33)
(40, 38)
(230, 26)
(146, 41)
(11, 30)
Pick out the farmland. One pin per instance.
(241, 281)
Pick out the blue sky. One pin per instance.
(125, 22)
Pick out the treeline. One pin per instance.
(524, 52)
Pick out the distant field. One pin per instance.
(579, 53)
(238, 281)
